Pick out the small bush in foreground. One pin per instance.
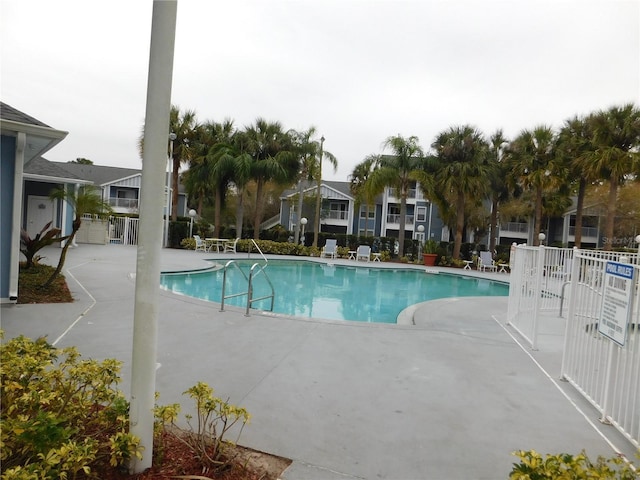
(62, 417)
(534, 466)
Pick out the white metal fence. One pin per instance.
(606, 373)
(538, 284)
(123, 230)
(544, 281)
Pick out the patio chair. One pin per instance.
(485, 262)
(230, 247)
(330, 248)
(200, 244)
(363, 253)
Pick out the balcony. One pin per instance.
(514, 227)
(335, 215)
(393, 218)
(412, 194)
(124, 203)
(587, 232)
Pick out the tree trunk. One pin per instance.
(63, 254)
(611, 213)
(296, 235)
(403, 220)
(259, 209)
(459, 225)
(366, 221)
(316, 229)
(240, 213)
(538, 217)
(579, 205)
(175, 178)
(216, 211)
(494, 224)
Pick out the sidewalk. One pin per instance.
(447, 398)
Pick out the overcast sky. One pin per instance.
(359, 71)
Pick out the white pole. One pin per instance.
(145, 319)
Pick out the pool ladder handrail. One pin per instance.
(249, 292)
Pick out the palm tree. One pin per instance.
(87, 200)
(321, 155)
(616, 138)
(184, 126)
(463, 170)
(399, 171)
(575, 146)
(530, 158)
(499, 190)
(272, 160)
(360, 186)
(305, 149)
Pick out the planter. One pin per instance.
(429, 259)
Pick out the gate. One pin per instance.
(123, 230)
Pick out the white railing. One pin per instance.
(123, 230)
(130, 203)
(519, 227)
(395, 218)
(604, 372)
(336, 214)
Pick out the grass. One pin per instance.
(30, 281)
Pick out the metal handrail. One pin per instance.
(249, 292)
(224, 283)
(250, 298)
(258, 248)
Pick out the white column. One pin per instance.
(145, 320)
(16, 223)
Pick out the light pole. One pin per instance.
(421, 236)
(303, 222)
(541, 237)
(172, 137)
(192, 214)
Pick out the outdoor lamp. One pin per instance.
(303, 222)
(192, 214)
(541, 237)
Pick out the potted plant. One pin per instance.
(429, 254)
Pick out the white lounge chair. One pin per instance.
(329, 249)
(230, 247)
(363, 253)
(200, 244)
(485, 262)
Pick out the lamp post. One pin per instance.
(421, 236)
(172, 137)
(192, 214)
(303, 222)
(541, 237)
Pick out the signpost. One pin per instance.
(617, 301)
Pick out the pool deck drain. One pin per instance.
(447, 398)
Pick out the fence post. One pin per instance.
(125, 239)
(538, 297)
(573, 293)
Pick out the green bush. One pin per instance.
(60, 415)
(533, 466)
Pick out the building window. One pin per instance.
(363, 212)
(421, 214)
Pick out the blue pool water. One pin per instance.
(334, 292)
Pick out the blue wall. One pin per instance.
(7, 173)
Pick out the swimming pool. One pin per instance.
(334, 292)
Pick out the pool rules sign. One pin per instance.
(617, 301)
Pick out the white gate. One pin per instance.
(123, 230)
(607, 374)
(538, 283)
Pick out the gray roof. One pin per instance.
(43, 167)
(7, 112)
(98, 174)
(342, 187)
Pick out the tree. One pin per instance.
(616, 138)
(82, 161)
(575, 146)
(361, 187)
(321, 155)
(271, 160)
(399, 171)
(497, 178)
(305, 149)
(184, 126)
(462, 168)
(86, 200)
(530, 159)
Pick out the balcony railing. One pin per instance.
(395, 218)
(412, 193)
(130, 203)
(335, 214)
(514, 227)
(586, 231)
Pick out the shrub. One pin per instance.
(60, 415)
(533, 466)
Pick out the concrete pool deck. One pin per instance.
(447, 398)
